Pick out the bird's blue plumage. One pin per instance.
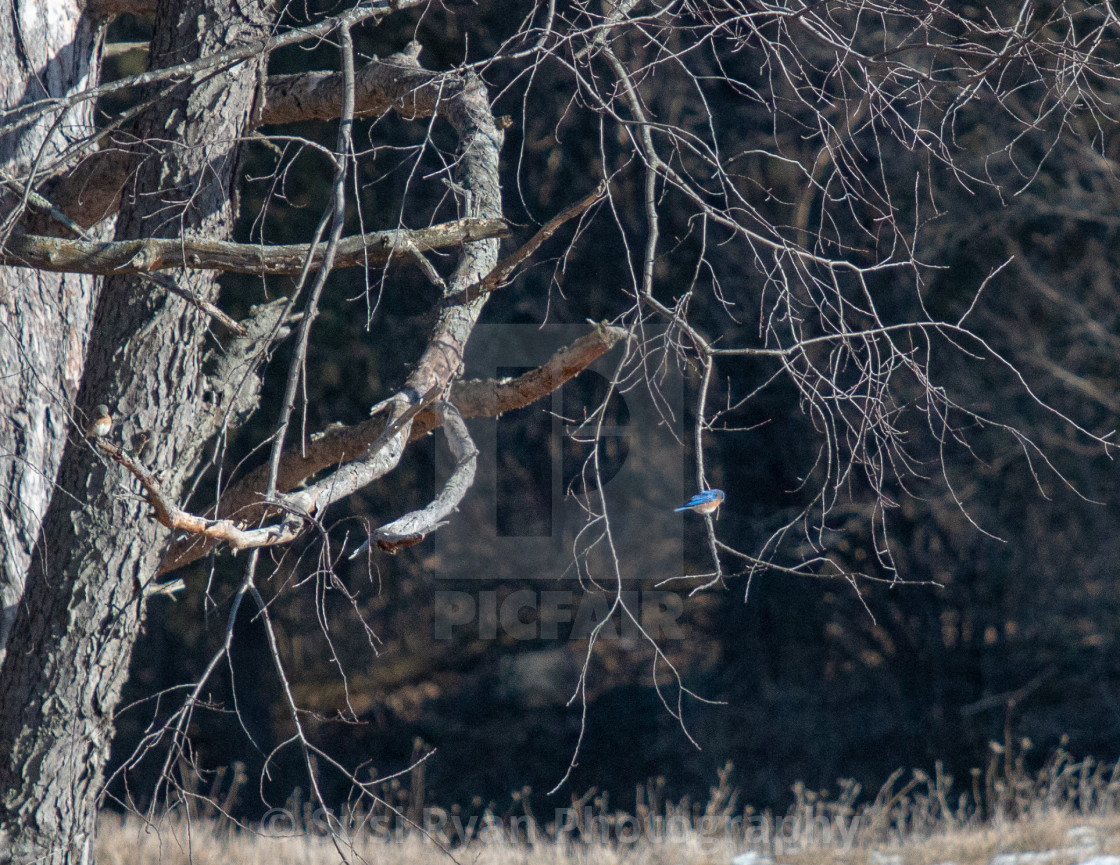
(703, 502)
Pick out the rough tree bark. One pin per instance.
(44, 317)
(83, 602)
(85, 544)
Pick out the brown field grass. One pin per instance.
(1066, 814)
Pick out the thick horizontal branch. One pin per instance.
(99, 9)
(91, 191)
(145, 256)
(162, 281)
(223, 60)
(340, 444)
(396, 82)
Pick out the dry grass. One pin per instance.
(1064, 815)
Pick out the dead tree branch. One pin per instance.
(397, 82)
(91, 191)
(221, 60)
(413, 527)
(492, 397)
(505, 268)
(175, 518)
(340, 444)
(461, 100)
(151, 254)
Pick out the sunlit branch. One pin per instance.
(413, 527)
(340, 444)
(152, 254)
(505, 268)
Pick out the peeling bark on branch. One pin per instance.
(395, 82)
(151, 254)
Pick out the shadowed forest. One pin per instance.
(418, 323)
(983, 593)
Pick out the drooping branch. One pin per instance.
(175, 518)
(340, 444)
(151, 254)
(413, 527)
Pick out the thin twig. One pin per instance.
(504, 268)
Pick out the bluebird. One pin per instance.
(102, 422)
(707, 502)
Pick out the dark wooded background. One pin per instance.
(818, 682)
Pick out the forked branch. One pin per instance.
(339, 445)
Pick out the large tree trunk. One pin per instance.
(83, 604)
(44, 317)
